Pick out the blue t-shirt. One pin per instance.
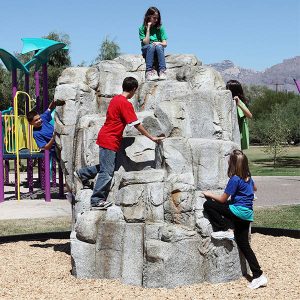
(242, 195)
(43, 134)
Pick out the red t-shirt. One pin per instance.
(120, 112)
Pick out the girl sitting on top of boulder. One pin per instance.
(153, 39)
(242, 110)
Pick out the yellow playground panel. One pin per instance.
(18, 133)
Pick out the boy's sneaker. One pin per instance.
(151, 75)
(162, 75)
(101, 205)
(223, 235)
(258, 282)
(84, 184)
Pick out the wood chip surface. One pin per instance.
(42, 270)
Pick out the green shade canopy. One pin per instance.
(11, 62)
(33, 62)
(34, 44)
(43, 55)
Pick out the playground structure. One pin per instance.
(16, 139)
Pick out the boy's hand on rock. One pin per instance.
(236, 99)
(207, 194)
(158, 139)
(59, 102)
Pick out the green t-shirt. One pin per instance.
(244, 128)
(156, 34)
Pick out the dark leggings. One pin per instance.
(223, 219)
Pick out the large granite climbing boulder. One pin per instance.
(155, 234)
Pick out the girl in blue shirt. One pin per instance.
(231, 220)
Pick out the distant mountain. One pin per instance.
(278, 77)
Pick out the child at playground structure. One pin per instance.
(120, 113)
(44, 134)
(231, 220)
(242, 110)
(153, 39)
(43, 130)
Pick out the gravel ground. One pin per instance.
(41, 270)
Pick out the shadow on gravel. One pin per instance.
(56, 247)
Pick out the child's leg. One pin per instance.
(88, 173)
(218, 214)
(148, 53)
(107, 163)
(241, 233)
(161, 57)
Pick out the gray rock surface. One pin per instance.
(155, 234)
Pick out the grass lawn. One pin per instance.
(273, 217)
(278, 217)
(23, 226)
(261, 164)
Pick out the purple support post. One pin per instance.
(47, 176)
(30, 175)
(37, 90)
(45, 86)
(14, 85)
(29, 160)
(42, 173)
(61, 182)
(6, 171)
(26, 85)
(53, 172)
(1, 162)
(14, 91)
(38, 109)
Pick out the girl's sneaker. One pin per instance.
(162, 75)
(151, 75)
(223, 235)
(258, 282)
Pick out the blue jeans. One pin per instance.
(149, 51)
(105, 171)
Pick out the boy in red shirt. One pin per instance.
(120, 113)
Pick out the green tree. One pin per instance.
(263, 104)
(109, 50)
(292, 114)
(58, 61)
(274, 132)
(5, 88)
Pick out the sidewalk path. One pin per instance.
(272, 190)
(24, 209)
(277, 190)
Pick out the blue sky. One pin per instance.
(253, 34)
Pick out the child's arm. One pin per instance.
(144, 132)
(220, 198)
(254, 187)
(163, 43)
(55, 103)
(48, 146)
(146, 40)
(243, 107)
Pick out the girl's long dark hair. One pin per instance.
(236, 89)
(150, 12)
(238, 165)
